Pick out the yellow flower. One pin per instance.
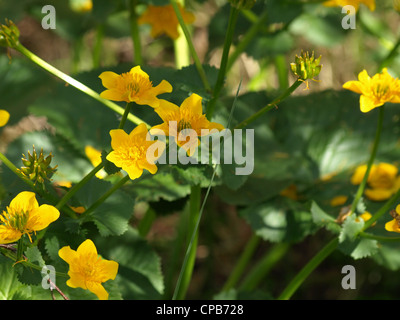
(87, 270)
(81, 6)
(383, 180)
(163, 20)
(394, 225)
(338, 201)
(290, 192)
(130, 152)
(24, 216)
(133, 86)
(94, 156)
(355, 3)
(375, 91)
(188, 116)
(4, 116)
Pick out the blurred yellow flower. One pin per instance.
(188, 116)
(133, 86)
(130, 152)
(94, 156)
(24, 216)
(290, 192)
(383, 180)
(375, 91)
(87, 270)
(394, 225)
(355, 3)
(163, 20)
(4, 116)
(338, 201)
(81, 6)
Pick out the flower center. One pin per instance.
(134, 84)
(14, 220)
(184, 124)
(131, 154)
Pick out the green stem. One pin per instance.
(233, 15)
(104, 197)
(379, 238)
(20, 249)
(97, 46)
(241, 265)
(190, 257)
(78, 186)
(181, 47)
(137, 46)
(247, 38)
(76, 84)
(384, 209)
(282, 71)
(14, 169)
(370, 161)
(192, 50)
(308, 269)
(271, 105)
(125, 115)
(259, 272)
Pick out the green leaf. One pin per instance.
(351, 226)
(10, 287)
(321, 218)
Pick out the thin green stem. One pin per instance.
(76, 84)
(384, 209)
(363, 184)
(192, 50)
(71, 192)
(242, 263)
(308, 269)
(271, 105)
(262, 268)
(125, 115)
(247, 38)
(20, 249)
(233, 15)
(98, 45)
(105, 196)
(137, 46)
(190, 257)
(14, 169)
(379, 238)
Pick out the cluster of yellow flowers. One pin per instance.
(130, 150)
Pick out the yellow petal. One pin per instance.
(192, 105)
(355, 86)
(67, 254)
(87, 248)
(108, 270)
(363, 76)
(378, 194)
(167, 111)
(163, 87)
(119, 138)
(133, 171)
(140, 130)
(392, 226)
(109, 79)
(367, 104)
(113, 95)
(97, 289)
(41, 217)
(4, 117)
(24, 202)
(9, 235)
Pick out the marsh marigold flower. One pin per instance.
(4, 116)
(383, 180)
(394, 225)
(87, 270)
(355, 3)
(94, 156)
(130, 152)
(133, 86)
(163, 20)
(188, 116)
(24, 216)
(375, 91)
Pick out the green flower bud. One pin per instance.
(306, 67)
(37, 167)
(9, 34)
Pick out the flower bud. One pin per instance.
(306, 67)
(9, 34)
(37, 167)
